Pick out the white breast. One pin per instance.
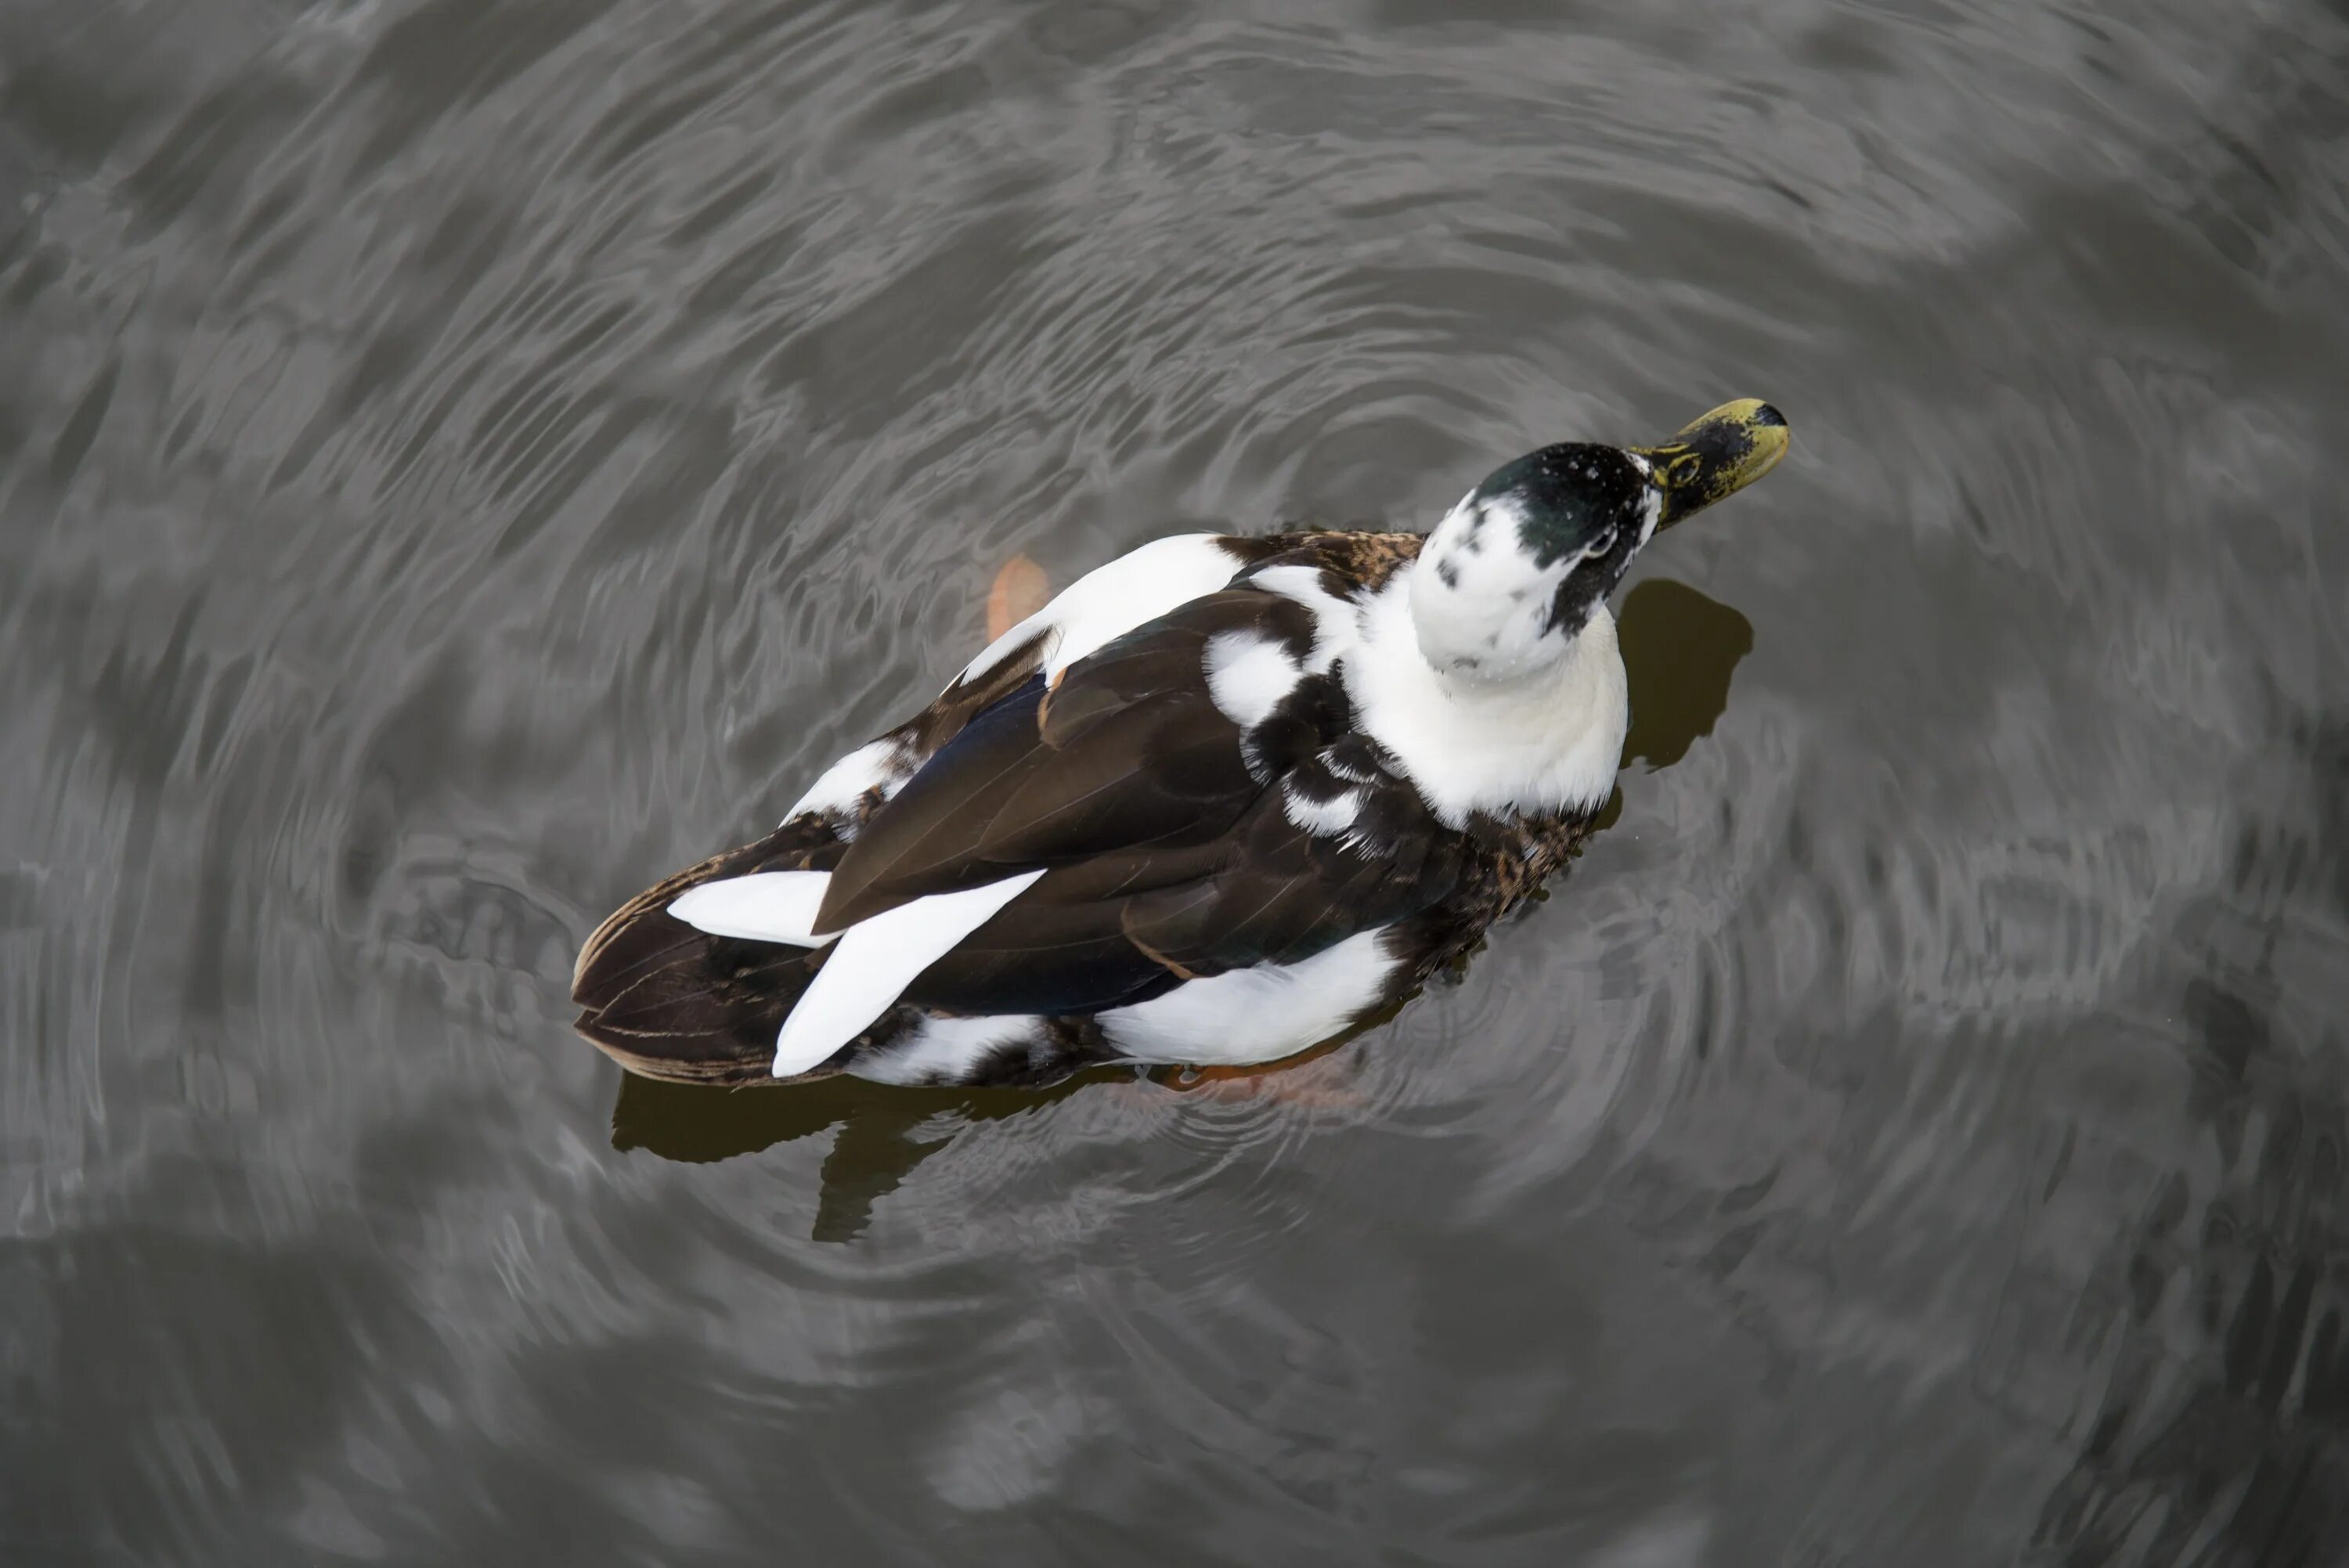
(1547, 741)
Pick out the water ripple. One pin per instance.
(462, 462)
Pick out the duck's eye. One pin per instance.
(1600, 543)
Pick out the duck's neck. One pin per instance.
(1481, 605)
(1542, 737)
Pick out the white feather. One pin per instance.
(1336, 621)
(1651, 510)
(1259, 1013)
(1548, 740)
(943, 1050)
(877, 765)
(1480, 604)
(1247, 675)
(1324, 818)
(1113, 598)
(876, 960)
(765, 906)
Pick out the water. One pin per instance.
(459, 463)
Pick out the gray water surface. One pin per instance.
(460, 462)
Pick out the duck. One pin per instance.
(1222, 800)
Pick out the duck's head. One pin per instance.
(1510, 576)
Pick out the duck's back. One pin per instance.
(1165, 839)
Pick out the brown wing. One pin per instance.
(1168, 838)
(1163, 861)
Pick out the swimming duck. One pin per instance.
(1220, 800)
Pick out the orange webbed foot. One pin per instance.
(1314, 1078)
(1020, 590)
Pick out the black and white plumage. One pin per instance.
(1221, 801)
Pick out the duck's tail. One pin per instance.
(668, 1001)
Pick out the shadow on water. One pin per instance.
(1680, 651)
(877, 1147)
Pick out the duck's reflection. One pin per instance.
(876, 1148)
(1680, 651)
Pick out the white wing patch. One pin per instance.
(765, 906)
(876, 961)
(1323, 819)
(1099, 607)
(1259, 1013)
(1247, 675)
(876, 765)
(1113, 598)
